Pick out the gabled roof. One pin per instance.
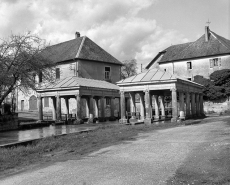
(216, 45)
(78, 48)
(76, 82)
(153, 76)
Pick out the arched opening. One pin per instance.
(33, 103)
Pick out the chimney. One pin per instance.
(206, 33)
(77, 34)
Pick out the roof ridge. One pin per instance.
(220, 40)
(79, 49)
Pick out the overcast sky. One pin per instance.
(125, 28)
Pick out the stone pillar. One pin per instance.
(188, 105)
(142, 106)
(193, 105)
(123, 120)
(90, 120)
(54, 108)
(96, 107)
(102, 108)
(40, 109)
(162, 107)
(156, 117)
(198, 104)
(181, 98)
(201, 105)
(112, 106)
(132, 104)
(58, 107)
(78, 107)
(147, 107)
(174, 105)
(67, 106)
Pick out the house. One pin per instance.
(202, 57)
(83, 69)
(207, 54)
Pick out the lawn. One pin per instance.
(72, 146)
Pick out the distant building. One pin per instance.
(78, 63)
(207, 54)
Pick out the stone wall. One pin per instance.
(8, 122)
(217, 106)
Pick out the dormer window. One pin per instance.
(214, 62)
(107, 73)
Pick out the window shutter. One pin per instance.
(219, 61)
(211, 63)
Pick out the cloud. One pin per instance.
(114, 25)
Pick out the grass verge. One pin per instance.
(72, 146)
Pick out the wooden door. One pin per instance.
(33, 103)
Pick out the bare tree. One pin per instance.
(21, 61)
(129, 68)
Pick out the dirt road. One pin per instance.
(195, 154)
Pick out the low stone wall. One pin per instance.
(217, 106)
(8, 122)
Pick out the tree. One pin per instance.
(20, 61)
(217, 87)
(129, 68)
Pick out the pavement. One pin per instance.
(153, 158)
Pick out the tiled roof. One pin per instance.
(78, 48)
(71, 82)
(200, 48)
(153, 75)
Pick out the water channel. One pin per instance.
(30, 134)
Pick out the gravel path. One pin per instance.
(151, 159)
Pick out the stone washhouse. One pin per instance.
(186, 96)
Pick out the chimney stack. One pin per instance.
(77, 34)
(206, 33)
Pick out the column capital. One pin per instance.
(173, 89)
(146, 91)
(78, 95)
(122, 93)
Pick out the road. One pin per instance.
(192, 154)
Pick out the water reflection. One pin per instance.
(22, 135)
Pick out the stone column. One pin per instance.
(174, 105)
(201, 105)
(90, 120)
(123, 120)
(147, 107)
(181, 98)
(142, 106)
(54, 108)
(67, 106)
(96, 107)
(58, 107)
(162, 107)
(193, 105)
(188, 105)
(40, 109)
(198, 104)
(112, 108)
(78, 107)
(102, 107)
(132, 104)
(156, 102)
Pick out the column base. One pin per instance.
(148, 121)
(78, 121)
(174, 119)
(133, 120)
(90, 120)
(123, 121)
(163, 117)
(156, 118)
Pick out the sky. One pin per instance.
(127, 29)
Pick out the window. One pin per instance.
(189, 65)
(164, 69)
(190, 79)
(40, 77)
(107, 73)
(46, 102)
(214, 62)
(57, 73)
